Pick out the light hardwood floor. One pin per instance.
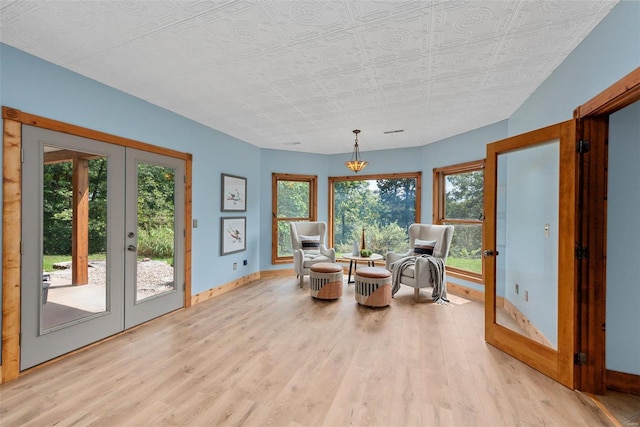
(623, 406)
(268, 354)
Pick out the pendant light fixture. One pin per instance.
(356, 164)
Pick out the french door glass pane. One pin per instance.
(527, 216)
(74, 236)
(156, 221)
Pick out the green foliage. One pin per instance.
(397, 201)
(366, 252)
(355, 205)
(384, 208)
(155, 197)
(284, 239)
(464, 195)
(58, 212)
(157, 242)
(56, 208)
(293, 199)
(467, 241)
(155, 208)
(379, 239)
(293, 203)
(373, 205)
(464, 199)
(474, 265)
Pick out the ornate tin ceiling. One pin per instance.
(279, 73)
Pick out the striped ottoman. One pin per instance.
(373, 286)
(325, 280)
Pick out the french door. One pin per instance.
(529, 257)
(113, 218)
(155, 208)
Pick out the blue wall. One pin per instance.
(530, 258)
(623, 235)
(35, 86)
(44, 89)
(462, 148)
(457, 149)
(278, 161)
(608, 53)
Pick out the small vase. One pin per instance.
(362, 243)
(355, 250)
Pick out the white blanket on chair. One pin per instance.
(436, 270)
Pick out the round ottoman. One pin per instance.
(325, 280)
(373, 286)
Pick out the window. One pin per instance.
(458, 200)
(293, 199)
(383, 205)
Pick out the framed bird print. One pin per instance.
(233, 234)
(234, 193)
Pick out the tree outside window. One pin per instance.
(293, 199)
(383, 205)
(459, 198)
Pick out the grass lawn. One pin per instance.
(474, 265)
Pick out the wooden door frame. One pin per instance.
(593, 127)
(13, 120)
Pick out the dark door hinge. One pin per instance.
(582, 252)
(580, 359)
(582, 147)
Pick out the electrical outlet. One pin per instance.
(235, 265)
(517, 289)
(245, 262)
(526, 295)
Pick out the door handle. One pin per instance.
(489, 253)
(131, 248)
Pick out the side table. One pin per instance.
(353, 263)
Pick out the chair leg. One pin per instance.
(416, 293)
(301, 280)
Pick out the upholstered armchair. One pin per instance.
(308, 242)
(424, 239)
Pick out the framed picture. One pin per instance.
(234, 193)
(233, 234)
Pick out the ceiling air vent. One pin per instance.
(393, 131)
